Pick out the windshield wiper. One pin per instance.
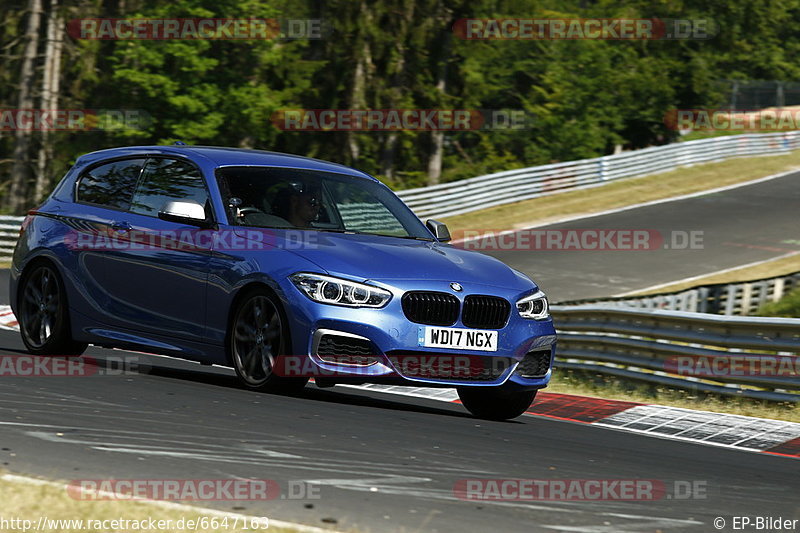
(354, 232)
(407, 237)
(328, 230)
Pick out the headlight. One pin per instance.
(337, 291)
(534, 306)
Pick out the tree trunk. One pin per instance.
(50, 89)
(396, 74)
(437, 137)
(16, 198)
(387, 155)
(435, 157)
(358, 97)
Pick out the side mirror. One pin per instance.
(439, 230)
(186, 212)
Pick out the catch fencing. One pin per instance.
(741, 299)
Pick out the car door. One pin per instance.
(156, 275)
(103, 194)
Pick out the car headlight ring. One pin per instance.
(534, 307)
(337, 291)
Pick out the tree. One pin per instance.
(50, 92)
(16, 198)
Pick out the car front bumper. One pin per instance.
(395, 350)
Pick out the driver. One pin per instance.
(299, 204)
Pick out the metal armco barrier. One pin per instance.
(473, 194)
(646, 344)
(9, 233)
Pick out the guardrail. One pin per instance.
(646, 345)
(9, 233)
(463, 196)
(740, 299)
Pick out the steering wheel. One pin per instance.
(244, 211)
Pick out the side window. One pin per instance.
(110, 185)
(166, 180)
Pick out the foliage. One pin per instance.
(583, 98)
(787, 306)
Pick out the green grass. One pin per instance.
(27, 501)
(780, 266)
(787, 306)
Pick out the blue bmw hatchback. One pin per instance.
(279, 266)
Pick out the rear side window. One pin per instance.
(166, 180)
(110, 185)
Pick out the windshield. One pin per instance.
(324, 201)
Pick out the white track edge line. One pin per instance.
(701, 276)
(600, 423)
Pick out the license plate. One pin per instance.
(458, 339)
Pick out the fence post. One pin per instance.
(747, 294)
(730, 301)
(777, 292)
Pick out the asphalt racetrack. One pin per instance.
(377, 462)
(736, 227)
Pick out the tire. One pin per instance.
(258, 335)
(44, 313)
(493, 403)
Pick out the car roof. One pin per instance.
(226, 157)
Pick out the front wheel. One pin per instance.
(258, 336)
(493, 403)
(44, 314)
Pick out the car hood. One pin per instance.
(389, 258)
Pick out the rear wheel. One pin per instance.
(492, 403)
(257, 338)
(44, 314)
